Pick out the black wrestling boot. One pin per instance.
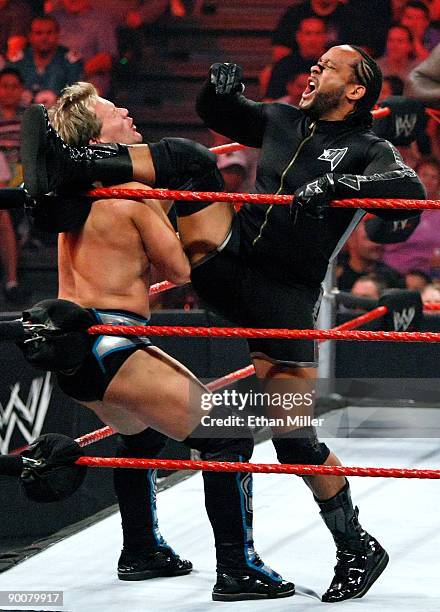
(360, 559)
(50, 164)
(153, 564)
(259, 582)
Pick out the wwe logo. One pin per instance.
(400, 225)
(405, 124)
(402, 320)
(28, 417)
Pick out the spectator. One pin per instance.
(398, 59)
(417, 280)
(233, 167)
(416, 18)
(366, 23)
(45, 64)
(391, 86)
(398, 6)
(422, 249)
(245, 166)
(346, 21)
(431, 293)
(311, 38)
(434, 9)
(283, 38)
(140, 34)
(11, 112)
(8, 242)
(11, 89)
(15, 21)
(368, 286)
(295, 87)
(365, 257)
(46, 97)
(90, 34)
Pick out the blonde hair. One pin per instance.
(72, 116)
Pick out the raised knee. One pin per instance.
(302, 447)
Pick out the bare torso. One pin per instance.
(106, 264)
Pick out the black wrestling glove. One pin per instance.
(226, 78)
(50, 473)
(314, 197)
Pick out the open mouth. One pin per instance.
(309, 90)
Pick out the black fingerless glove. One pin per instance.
(314, 197)
(227, 78)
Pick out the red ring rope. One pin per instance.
(249, 332)
(255, 198)
(259, 468)
(228, 379)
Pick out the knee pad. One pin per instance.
(179, 162)
(223, 449)
(301, 447)
(235, 445)
(147, 443)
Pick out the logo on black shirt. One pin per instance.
(334, 156)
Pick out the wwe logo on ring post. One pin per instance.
(402, 320)
(28, 416)
(405, 124)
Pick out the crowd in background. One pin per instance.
(46, 45)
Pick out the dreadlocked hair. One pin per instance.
(367, 73)
(72, 116)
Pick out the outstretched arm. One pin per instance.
(230, 114)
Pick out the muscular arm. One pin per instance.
(161, 244)
(423, 82)
(232, 115)
(385, 176)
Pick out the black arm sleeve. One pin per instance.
(385, 176)
(233, 116)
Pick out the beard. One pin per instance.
(324, 102)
